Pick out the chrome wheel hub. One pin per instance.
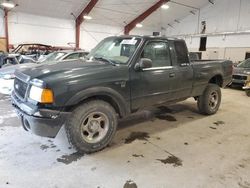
(213, 100)
(94, 127)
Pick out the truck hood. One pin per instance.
(67, 69)
(241, 71)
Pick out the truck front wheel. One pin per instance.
(209, 102)
(92, 126)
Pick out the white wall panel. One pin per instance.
(229, 41)
(32, 28)
(188, 25)
(192, 42)
(91, 34)
(224, 16)
(25, 28)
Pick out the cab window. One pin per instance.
(181, 52)
(158, 52)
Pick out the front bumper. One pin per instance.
(240, 79)
(42, 122)
(239, 82)
(246, 88)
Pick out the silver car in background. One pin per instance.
(241, 73)
(7, 72)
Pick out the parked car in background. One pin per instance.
(33, 50)
(241, 73)
(7, 76)
(15, 59)
(64, 55)
(2, 57)
(7, 72)
(247, 86)
(25, 51)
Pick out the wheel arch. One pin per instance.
(217, 79)
(108, 95)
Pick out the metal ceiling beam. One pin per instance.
(6, 29)
(143, 16)
(80, 20)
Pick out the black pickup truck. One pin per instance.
(122, 74)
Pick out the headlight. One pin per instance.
(247, 72)
(8, 76)
(41, 95)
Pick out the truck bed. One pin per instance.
(203, 69)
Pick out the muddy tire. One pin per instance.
(23, 124)
(91, 126)
(248, 92)
(209, 102)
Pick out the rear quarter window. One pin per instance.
(181, 52)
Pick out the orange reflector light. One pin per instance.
(47, 96)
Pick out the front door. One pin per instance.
(155, 83)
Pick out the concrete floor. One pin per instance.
(178, 148)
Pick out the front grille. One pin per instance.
(20, 88)
(239, 77)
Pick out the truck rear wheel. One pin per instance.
(209, 102)
(92, 126)
(248, 92)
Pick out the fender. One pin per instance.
(117, 98)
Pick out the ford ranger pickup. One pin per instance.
(120, 76)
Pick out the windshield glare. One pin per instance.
(116, 49)
(245, 64)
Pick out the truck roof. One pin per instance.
(150, 37)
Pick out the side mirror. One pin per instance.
(144, 63)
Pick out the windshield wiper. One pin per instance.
(106, 60)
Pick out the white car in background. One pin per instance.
(7, 73)
(7, 77)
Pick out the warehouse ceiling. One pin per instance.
(112, 12)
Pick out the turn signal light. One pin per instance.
(47, 96)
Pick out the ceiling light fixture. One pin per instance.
(211, 1)
(8, 4)
(165, 6)
(87, 17)
(170, 25)
(192, 12)
(139, 25)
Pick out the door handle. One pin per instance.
(184, 64)
(171, 75)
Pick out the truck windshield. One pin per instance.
(244, 64)
(115, 50)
